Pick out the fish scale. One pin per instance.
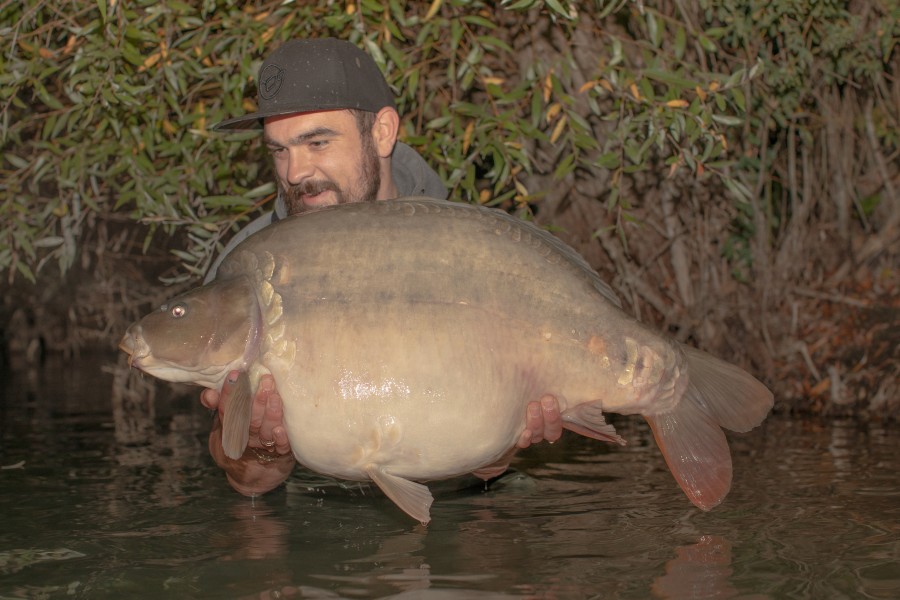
(406, 338)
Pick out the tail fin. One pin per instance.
(691, 437)
(736, 399)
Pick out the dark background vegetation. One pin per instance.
(730, 167)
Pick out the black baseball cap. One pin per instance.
(312, 75)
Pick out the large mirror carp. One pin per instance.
(407, 336)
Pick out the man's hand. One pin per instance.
(268, 459)
(543, 421)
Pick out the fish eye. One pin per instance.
(178, 311)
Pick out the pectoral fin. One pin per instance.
(413, 498)
(236, 425)
(587, 420)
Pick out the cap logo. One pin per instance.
(270, 81)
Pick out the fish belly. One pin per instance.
(430, 391)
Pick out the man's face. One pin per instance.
(321, 159)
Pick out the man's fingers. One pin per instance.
(552, 418)
(267, 383)
(260, 408)
(524, 439)
(271, 433)
(274, 410)
(272, 428)
(282, 445)
(209, 398)
(534, 424)
(543, 421)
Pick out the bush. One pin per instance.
(108, 109)
(715, 160)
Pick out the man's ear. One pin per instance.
(385, 130)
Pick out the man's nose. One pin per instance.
(299, 168)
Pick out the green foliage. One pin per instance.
(105, 108)
(664, 109)
(808, 50)
(804, 45)
(106, 105)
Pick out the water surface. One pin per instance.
(108, 491)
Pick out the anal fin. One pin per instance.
(236, 425)
(413, 498)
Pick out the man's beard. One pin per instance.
(367, 184)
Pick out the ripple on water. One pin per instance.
(813, 513)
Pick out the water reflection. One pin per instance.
(133, 405)
(476, 553)
(113, 493)
(701, 570)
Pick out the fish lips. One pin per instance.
(134, 346)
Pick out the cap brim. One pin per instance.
(251, 121)
(245, 122)
(254, 120)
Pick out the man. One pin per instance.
(330, 123)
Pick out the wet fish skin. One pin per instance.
(406, 337)
(204, 334)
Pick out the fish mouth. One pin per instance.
(134, 346)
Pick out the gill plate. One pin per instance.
(275, 346)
